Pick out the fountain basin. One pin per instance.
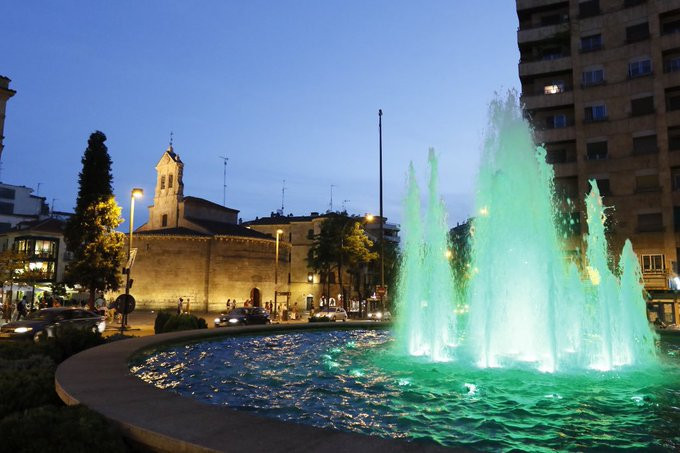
(159, 420)
(356, 380)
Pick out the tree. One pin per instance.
(90, 232)
(11, 263)
(341, 241)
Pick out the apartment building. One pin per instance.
(601, 86)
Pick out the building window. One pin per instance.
(650, 222)
(647, 183)
(637, 32)
(674, 138)
(676, 219)
(639, 68)
(44, 248)
(645, 144)
(604, 186)
(556, 121)
(630, 3)
(592, 77)
(162, 182)
(331, 277)
(672, 99)
(6, 193)
(652, 263)
(672, 64)
(670, 22)
(170, 178)
(310, 277)
(642, 106)
(595, 113)
(6, 208)
(591, 43)
(554, 88)
(588, 8)
(164, 220)
(290, 237)
(597, 150)
(310, 234)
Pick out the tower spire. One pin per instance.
(171, 137)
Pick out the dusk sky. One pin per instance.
(288, 90)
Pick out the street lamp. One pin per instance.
(382, 219)
(279, 232)
(136, 193)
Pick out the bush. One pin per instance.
(12, 350)
(70, 341)
(26, 383)
(182, 322)
(72, 429)
(161, 318)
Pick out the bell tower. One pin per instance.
(169, 191)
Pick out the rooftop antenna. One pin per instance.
(332, 185)
(224, 181)
(344, 205)
(283, 195)
(38, 191)
(52, 208)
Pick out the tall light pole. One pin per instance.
(279, 232)
(382, 219)
(136, 193)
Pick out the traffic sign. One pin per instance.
(122, 307)
(381, 291)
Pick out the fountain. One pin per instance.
(554, 352)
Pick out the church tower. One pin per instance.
(169, 192)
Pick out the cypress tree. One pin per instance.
(90, 234)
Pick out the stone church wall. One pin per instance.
(205, 270)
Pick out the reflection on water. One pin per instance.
(354, 381)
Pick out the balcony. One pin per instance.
(670, 41)
(655, 279)
(555, 135)
(529, 68)
(542, 101)
(541, 33)
(531, 4)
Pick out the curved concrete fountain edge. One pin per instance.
(163, 421)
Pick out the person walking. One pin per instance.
(22, 309)
(179, 306)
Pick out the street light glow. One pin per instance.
(370, 217)
(137, 192)
(279, 231)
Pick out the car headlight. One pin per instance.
(233, 320)
(218, 320)
(370, 315)
(101, 327)
(318, 315)
(23, 329)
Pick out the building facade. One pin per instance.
(18, 204)
(194, 249)
(601, 85)
(306, 287)
(5, 94)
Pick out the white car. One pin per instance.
(380, 316)
(330, 314)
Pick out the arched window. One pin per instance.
(164, 220)
(162, 182)
(170, 181)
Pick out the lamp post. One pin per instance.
(279, 232)
(136, 193)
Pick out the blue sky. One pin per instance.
(288, 90)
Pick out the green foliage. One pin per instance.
(72, 429)
(161, 318)
(71, 341)
(13, 350)
(58, 289)
(26, 383)
(11, 263)
(180, 322)
(90, 233)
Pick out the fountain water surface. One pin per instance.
(529, 302)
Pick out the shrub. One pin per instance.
(12, 350)
(161, 318)
(70, 341)
(26, 383)
(183, 322)
(72, 429)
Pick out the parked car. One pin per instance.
(329, 314)
(243, 317)
(380, 316)
(48, 322)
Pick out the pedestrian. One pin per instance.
(179, 306)
(100, 304)
(228, 304)
(295, 310)
(186, 309)
(22, 309)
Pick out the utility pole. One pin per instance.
(224, 181)
(382, 219)
(332, 185)
(283, 196)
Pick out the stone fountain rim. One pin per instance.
(159, 420)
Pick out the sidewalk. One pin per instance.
(141, 322)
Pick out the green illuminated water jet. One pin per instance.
(528, 301)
